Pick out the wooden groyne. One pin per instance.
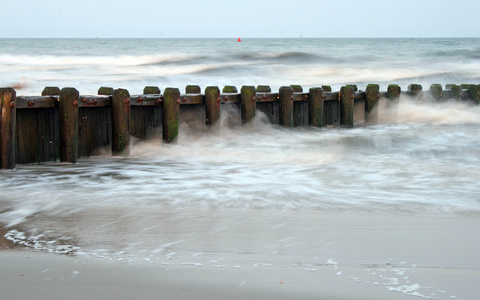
(64, 125)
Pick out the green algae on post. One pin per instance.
(229, 89)
(68, 106)
(263, 89)
(171, 116)
(248, 103)
(121, 122)
(193, 89)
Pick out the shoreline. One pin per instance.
(362, 256)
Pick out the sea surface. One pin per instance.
(232, 196)
(88, 64)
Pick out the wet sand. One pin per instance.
(370, 256)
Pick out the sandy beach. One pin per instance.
(361, 256)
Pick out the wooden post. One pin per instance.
(371, 101)
(474, 93)
(455, 91)
(393, 92)
(248, 103)
(7, 128)
(415, 90)
(68, 107)
(286, 106)
(171, 114)
(193, 89)
(51, 91)
(436, 92)
(120, 122)
(106, 91)
(263, 89)
(327, 88)
(150, 90)
(315, 107)
(297, 88)
(346, 106)
(212, 104)
(229, 89)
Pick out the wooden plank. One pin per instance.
(37, 101)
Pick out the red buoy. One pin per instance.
(239, 40)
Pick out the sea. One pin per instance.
(258, 194)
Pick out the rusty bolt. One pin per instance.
(185, 99)
(127, 101)
(84, 100)
(90, 102)
(75, 103)
(30, 103)
(12, 104)
(178, 101)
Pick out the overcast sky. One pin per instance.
(239, 18)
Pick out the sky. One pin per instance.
(239, 18)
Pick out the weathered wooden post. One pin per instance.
(51, 91)
(105, 91)
(229, 89)
(346, 106)
(7, 128)
(212, 104)
(263, 89)
(68, 108)
(436, 91)
(327, 88)
(371, 102)
(393, 92)
(171, 114)
(151, 90)
(455, 91)
(315, 107)
(248, 103)
(192, 89)
(415, 90)
(285, 98)
(120, 122)
(297, 88)
(474, 93)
